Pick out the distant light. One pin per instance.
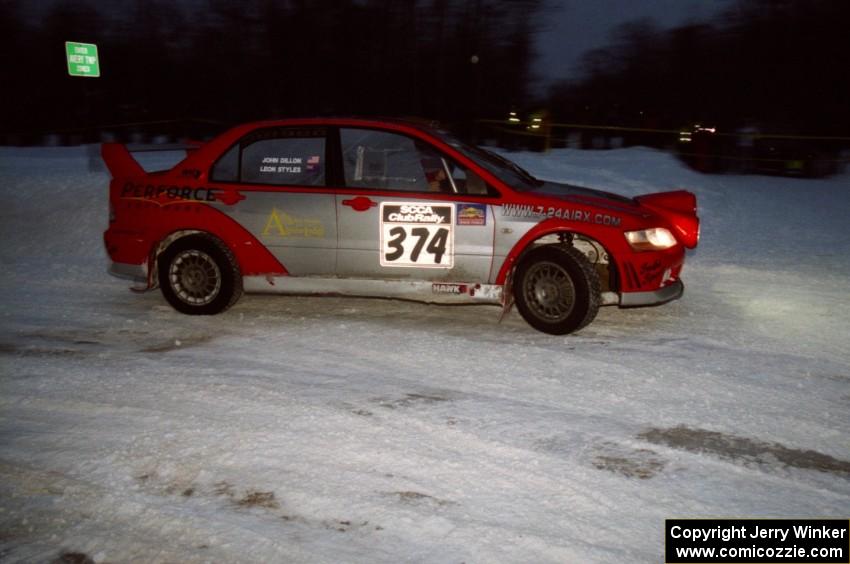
(534, 126)
(474, 59)
(512, 113)
(538, 120)
(513, 119)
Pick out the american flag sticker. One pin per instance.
(313, 163)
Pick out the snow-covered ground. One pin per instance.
(353, 430)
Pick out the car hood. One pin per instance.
(678, 207)
(579, 193)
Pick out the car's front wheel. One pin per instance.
(198, 275)
(556, 289)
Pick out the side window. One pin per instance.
(226, 169)
(288, 161)
(383, 160)
(390, 161)
(282, 157)
(465, 181)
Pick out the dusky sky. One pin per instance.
(572, 27)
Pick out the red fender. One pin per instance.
(545, 227)
(152, 222)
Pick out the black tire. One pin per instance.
(198, 275)
(556, 289)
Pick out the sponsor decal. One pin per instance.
(559, 212)
(472, 214)
(416, 213)
(442, 288)
(165, 194)
(417, 235)
(281, 224)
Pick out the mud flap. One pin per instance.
(151, 283)
(507, 295)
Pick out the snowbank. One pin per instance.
(328, 430)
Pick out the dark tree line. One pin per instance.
(781, 64)
(224, 61)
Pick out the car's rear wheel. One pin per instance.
(198, 275)
(556, 289)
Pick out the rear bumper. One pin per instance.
(663, 295)
(135, 272)
(128, 255)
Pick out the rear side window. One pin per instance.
(226, 169)
(290, 162)
(278, 156)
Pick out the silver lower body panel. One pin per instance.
(421, 291)
(663, 295)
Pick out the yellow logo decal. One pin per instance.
(282, 224)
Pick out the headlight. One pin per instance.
(655, 239)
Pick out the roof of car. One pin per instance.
(424, 124)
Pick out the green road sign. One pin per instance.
(82, 59)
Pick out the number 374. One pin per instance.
(405, 245)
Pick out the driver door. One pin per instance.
(405, 213)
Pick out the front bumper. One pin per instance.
(663, 295)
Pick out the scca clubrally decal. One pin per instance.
(417, 235)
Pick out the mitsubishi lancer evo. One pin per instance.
(385, 208)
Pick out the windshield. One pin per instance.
(508, 172)
(518, 178)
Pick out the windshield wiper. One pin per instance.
(513, 166)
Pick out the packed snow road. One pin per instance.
(330, 430)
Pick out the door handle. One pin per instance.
(360, 203)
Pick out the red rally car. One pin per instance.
(391, 209)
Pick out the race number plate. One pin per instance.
(417, 235)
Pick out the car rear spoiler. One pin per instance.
(120, 162)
